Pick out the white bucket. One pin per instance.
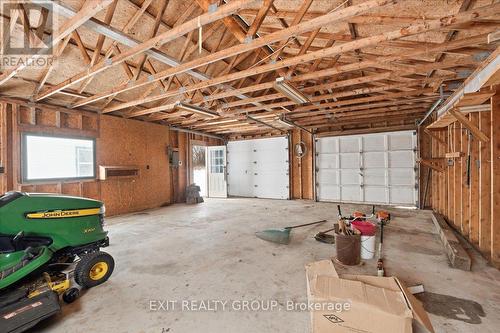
(367, 247)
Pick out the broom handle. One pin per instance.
(306, 224)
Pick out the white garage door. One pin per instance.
(258, 168)
(372, 168)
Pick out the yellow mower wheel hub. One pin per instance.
(98, 271)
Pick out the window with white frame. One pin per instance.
(57, 158)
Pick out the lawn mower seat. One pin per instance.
(30, 254)
(8, 244)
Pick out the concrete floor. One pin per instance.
(209, 252)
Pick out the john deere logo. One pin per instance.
(333, 318)
(58, 214)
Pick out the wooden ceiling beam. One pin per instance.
(154, 31)
(255, 44)
(100, 42)
(284, 43)
(157, 41)
(206, 36)
(362, 19)
(238, 31)
(340, 94)
(331, 106)
(296, 20)
(265, 30)
(406, 117)
(364, 113)
(259, 18)
(48, 70)
(370, 79)
(334, 50)
(357, 107)
(368, 128)
(359, 110)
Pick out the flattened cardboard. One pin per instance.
(378, 304)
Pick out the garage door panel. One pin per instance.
(327, 192)
(270, 187)
(376, 194)
(271, 145)
(271, 166)
(349, 177)
(403, 176)
(328, 161)
(351, 193)
(401, 141)
(384, 167)
(242, 188)
(402, 195)
(401, 159)
(258, 168)
(374, 160)
(349, 161)
(328, 176)
(327, 145)
(349, 144)
(374, 177)
(239, 161)
(374, 143)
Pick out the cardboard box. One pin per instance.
(370, 304)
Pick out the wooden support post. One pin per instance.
(15, 165)
(444, 192)
(449, 175)
(437, 149)
(301, 183)
(433, 177)
(308, 180)
(495, 178)
(474, 184)
(463, 184)
(437, 189)
(296, 183)
(457, 179)
(485, 187)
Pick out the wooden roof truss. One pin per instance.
(228, 54)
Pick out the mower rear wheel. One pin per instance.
(93, 269)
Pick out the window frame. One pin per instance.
(24, 158)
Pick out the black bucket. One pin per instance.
(348, 249)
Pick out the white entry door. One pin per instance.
(372, 168)
(217, 186)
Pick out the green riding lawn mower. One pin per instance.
(49, 249)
